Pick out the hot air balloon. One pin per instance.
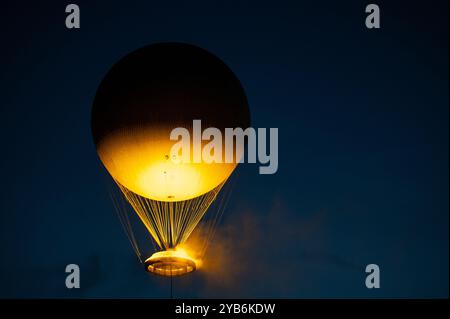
(142, 98)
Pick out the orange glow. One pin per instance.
(189, 252)
(170, 263)
(139, 160)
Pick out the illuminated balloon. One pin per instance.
(140, 101)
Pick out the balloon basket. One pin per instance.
(169, 263)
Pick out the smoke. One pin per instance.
(256, 252)
(231, 253)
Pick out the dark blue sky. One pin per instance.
(363, 153)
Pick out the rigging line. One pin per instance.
(158, 216)
(123, 218)
(192, 208)
(214, 225)
(153, 242)
(146, 223)
(126, 211)
(183, 207)
(143, 214)
(221, 209)
(153, 213)
(169, 223)
(222, 206)
(166, 216)
(131, 232)
(186, 207)
(134, 201)
(172, 221)
(149, 213)
(210, 223)
(203, 205)
(128, 231)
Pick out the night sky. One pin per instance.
(363, 148)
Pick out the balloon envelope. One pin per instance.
(147, 94)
